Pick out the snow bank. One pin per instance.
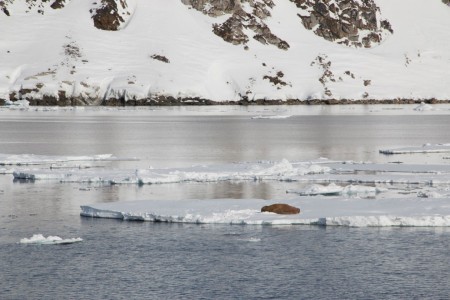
(314, 211)
(50, 240)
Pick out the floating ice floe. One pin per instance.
(335, 190)
(430, 212)
(17, 104)
(426, 148)
(50, 240)
(33, 159)
(272, 117)
(423, 107)
(4, 171)
(283, 170)
(429, 194)
(351, 167)
(315, 172)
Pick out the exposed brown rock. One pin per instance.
(350, 74)
(107, 17)
(33, 5)
(13, 96)
(276, 80)
(327, 75)
(58, 4)
(281, 209)
(386, 25)
(5, 11)
(212, 8)
(345, 21)
(232, 30)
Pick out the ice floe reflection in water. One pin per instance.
(153, 260)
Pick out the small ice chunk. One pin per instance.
(318, 189)
(50, 240)
(423, 107)
(428, 194)
(17, 104)
(272, 117)
(335, 190)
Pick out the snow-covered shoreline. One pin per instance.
(189, 62)
(43, 101)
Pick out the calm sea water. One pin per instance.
(120, 260)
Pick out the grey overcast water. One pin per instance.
(131, 260)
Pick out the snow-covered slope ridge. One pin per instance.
(67, 52)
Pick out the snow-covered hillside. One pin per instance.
(75, 52)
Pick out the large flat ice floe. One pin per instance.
(320, 171)
(283, 170)
(429, 212)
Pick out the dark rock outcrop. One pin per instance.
(281, 209)
(58, 4)
(276, 80)
(232, 30)
(108, 16)
(160, 58)
(348, 22)
(33, 5)
(5, 11)
(212, 8)
(327, 76)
